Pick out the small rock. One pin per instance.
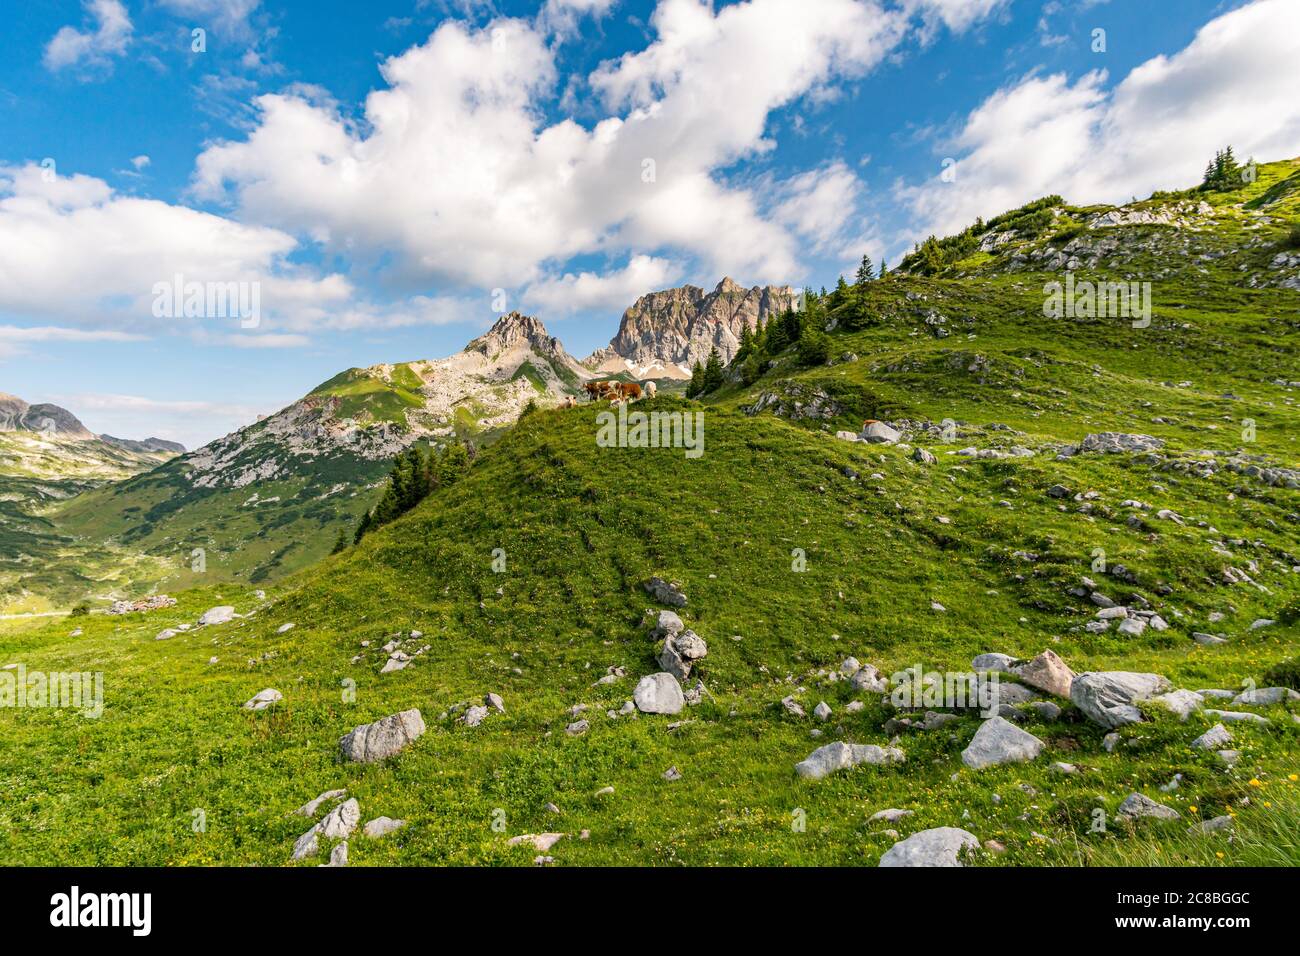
(941, 846)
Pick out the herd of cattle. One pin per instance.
(613, 392)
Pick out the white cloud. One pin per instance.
(72, 249)
(453, 178)
(140, 162)
(228, 15)
(97, 44)
(820, 204)
(14, 338)
(956, 15)
(1156, 129)
(613, 291)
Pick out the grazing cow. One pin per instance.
(593, 389)
(650, 388)
(569, 402)
(628, 390)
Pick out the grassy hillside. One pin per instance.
(796, 549)
(581, 527)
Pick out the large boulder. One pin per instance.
(941, 846)
(1047, 672)
(383, 738)
(999, 741)
(659, 694)
(666, 624)
(878, 433)
(217, 615)
(1265, 696)
(840, 756)
(1107, 697)
(337, 825)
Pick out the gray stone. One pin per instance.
(474, 715)
(822, 711)
(999, 741)
(666, 592)
(889, 816)
(577, 728)
(1180, 702)
(381, 827)
(878, 433)
(1213, 825)
(941, 846)
(840, 756)
(384, 738)
(659, 694)
(495, 702)
(309, 809)
(1237, 717)
(264, 699)
(338, 856)
(1265, 696)
(1136, 805)
(217, 615)
(1107, 697)
(993, 662)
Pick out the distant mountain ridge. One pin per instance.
(17, 415)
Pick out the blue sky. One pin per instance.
(387, 173)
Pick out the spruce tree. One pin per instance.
(864, 271)
(696, 384)
(713, 371)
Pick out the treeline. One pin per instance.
(416, 473)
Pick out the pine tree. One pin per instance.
(341, 542)
(362, 527)
(713, 371)
(864, 271)
(696, 384)
(882, 268)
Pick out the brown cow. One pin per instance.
(597, 390)
(630, 391)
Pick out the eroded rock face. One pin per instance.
(941, 846)
(383, 738)
(664, 333)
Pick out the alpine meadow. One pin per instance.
(919, 486)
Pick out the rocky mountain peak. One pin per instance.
(664, 333)
(513, 330)
(17, 415)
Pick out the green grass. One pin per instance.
(581, 526)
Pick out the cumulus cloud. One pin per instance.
(612, 291)
(820, 204)
(106, 35)
(73, 249)
(1155, 129)
(452, 177)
